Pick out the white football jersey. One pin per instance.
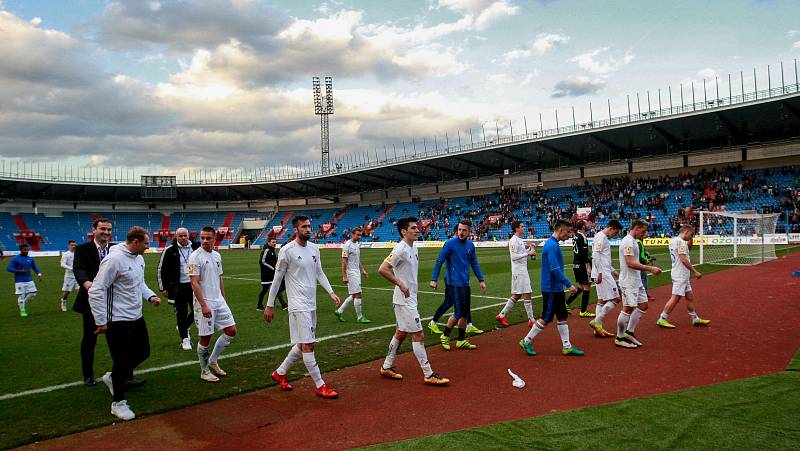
(67, 258)
(629, 277)
(405, 265)
(352, 252)
(208, 266)
(678, 247)
(303, 270)
(519, 255)
(601, 256)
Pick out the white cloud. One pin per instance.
(482, 12)
(708, 73)
(577, 86)
(543, 43)
(792, 33)
(599, 62)
(796, 45)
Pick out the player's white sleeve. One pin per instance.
(280, 273)
(98, 293)
(322, 278)
(518, 255)
(64, 262)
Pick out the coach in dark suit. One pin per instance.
(85, 267)
(173, 280)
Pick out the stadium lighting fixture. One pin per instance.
(323, 107)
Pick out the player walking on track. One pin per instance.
(21, 266)
(520, 280)
(682, 271)
(553, 299)
(634, 296)
(299, 262)
(459, 255)
(581, 268)
(116, 298)
(352, 270)
(604, 276)
(401, 268)
(211, 311)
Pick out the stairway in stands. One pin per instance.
(23, 228)
(226, 225)
(285, 221)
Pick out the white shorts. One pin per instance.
(407, 318)
(69, 284)
(520, 284)
(607, 290)
(25, 287)
(221, 317)
(353, 283)
(681, 287)
(303, 327)
(632, 297)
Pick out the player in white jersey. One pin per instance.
(211, 311)
(299, 263)
(401, 268)
(520, 280)
(604, 274)
(682, 270)
(70, 284)
(634, 296)
(352, 270)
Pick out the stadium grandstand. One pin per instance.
(737, 153)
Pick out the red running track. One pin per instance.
(754, 331)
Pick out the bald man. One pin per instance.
(174, 282)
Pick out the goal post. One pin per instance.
(738, 238)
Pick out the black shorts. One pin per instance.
(554, 304)
(581, 275)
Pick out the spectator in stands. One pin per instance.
(85, 266)
(174, 282)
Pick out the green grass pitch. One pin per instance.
(43, 350)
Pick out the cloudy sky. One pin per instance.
(176, 85)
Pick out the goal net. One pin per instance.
(737, 238)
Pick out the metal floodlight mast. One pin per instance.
(323, 107)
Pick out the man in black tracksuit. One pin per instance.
(267, 261)
(581, 267)
(173, 281)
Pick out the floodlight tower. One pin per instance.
(323, 107)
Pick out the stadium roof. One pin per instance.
(765, 116)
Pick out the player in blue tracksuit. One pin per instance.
(459, 255)
(553, 300)
(21, 266)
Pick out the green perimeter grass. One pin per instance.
(756, 413)
(43, 349)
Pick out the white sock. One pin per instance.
(529, 310)
(313, 369)
(393, 346)
(635, 317)
(432, 322)
(21, 301)
(535, 330)
(693, 314)
(222, 342)
(622, 322)
(563, 331)
(664, 316)
(287, 363)
(357, 304)
(599, 312)
(507, 308)
(422, 357)
(469, 325)
(202, 356)
(344, 305)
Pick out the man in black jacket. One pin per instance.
(267, 261)
(173, 281)
(85, 267)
